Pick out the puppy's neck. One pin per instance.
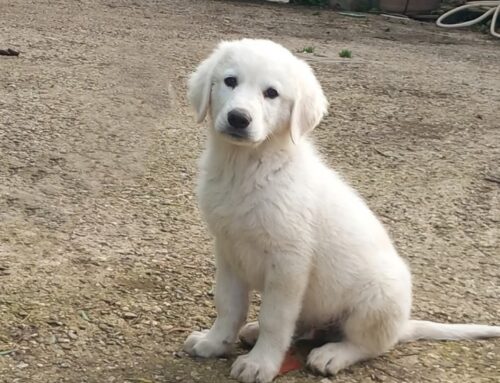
(223, 158)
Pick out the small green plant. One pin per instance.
(345, 53)
(309, 49)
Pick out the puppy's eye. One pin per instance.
(231, 81)
(271, 93)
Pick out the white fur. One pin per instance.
(288, 226)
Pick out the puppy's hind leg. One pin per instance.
(368, 333)
(249, 333)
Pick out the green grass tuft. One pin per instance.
(345, 53)
(309, 49)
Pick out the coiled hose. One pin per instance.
(493, 7)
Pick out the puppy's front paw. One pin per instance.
(202, 344)
(251, 369)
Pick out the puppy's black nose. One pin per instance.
(239, 118)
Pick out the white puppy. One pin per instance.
(288, 226)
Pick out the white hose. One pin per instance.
(493, 8)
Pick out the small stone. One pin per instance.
(22, 365)
(325, 380)
(129, 315)
(54, 322)
(105, 327)
(72, 334)
(378, 377)
(51, 339)
(410, 360)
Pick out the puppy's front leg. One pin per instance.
(286, 281)
(231, 302)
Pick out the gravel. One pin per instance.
(105, 264)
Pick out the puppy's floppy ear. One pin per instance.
(200, 84)
(310, 103)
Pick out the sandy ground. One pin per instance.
(105, 265)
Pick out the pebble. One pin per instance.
(129, 315)
(54, 322)
(379, 377)
(51, 339)
(22, 365)
(410, 360)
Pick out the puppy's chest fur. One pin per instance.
(241, 197)
(247, 204)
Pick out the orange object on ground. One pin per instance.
(290, 363)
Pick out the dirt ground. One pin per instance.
(105, 265)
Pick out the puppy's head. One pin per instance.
(254, 89)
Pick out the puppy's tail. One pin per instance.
(419, 329)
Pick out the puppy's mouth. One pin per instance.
(239, 136)
(236, 134)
